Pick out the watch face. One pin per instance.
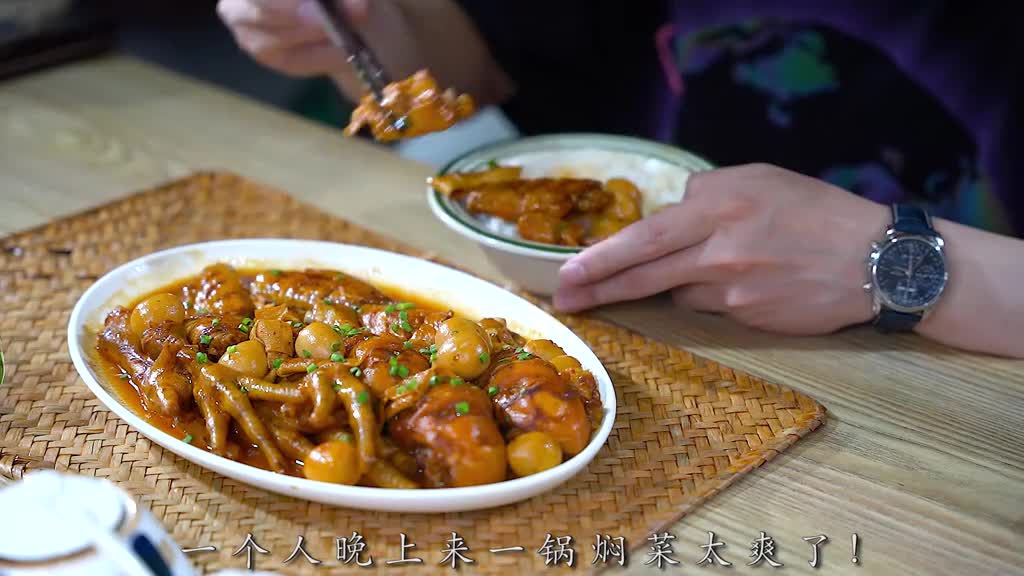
(910, 273)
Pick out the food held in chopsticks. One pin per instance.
(565, 211)
(411, 107)
(316, 373)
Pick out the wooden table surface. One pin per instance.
(923, 452)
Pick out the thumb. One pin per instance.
(358, 11)
(355, 11)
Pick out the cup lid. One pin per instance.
(51, 516)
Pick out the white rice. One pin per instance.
(498, 226)
(660, 183)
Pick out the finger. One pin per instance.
(356, 11)
(262, 13)
(318, 58)
(647, 279)
(675, 228)
(262, 38)
(703, 297)
(273, 49)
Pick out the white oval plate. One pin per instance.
(466, 294)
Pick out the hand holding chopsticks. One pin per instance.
(326, 37)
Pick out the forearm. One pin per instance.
(982, 308)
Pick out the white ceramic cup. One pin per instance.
(61, 524)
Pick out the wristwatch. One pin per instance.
(907, 270)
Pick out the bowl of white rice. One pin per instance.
(658, 170)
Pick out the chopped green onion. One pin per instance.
(344, 437)
(275, 272)
(455, 381)
(243, 328)
(187, 439)
(232, 349)
(277, 363)
(202, 311)
(433, 357)
(337, 387)
(247, 321)
(202, 358)
(506, 347)
(335, 346)
(396, 369)
(395, 353)
(403, 315)
(205, 339)
(363, 397)
(492, 390)
(406, 326)
(346, 330)
(389, 308)
(396, 329)
(297, 325)
(407, 344)
(306, 353)
(524, 356)
(328, 301)
(243, 389)
(357, 309)
(462, 408)
(122, 376)
(216, 322)
(405, 306)
(411, 384)
(434, 380)
(402, 389)
(484, 357)
(311, 368)
(336, 357)
(356, 372)
(519, 350)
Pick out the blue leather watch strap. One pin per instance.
(910, 219)
(892, 321)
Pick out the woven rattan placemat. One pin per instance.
(686, 427)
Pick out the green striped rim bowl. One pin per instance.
(534, 265)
